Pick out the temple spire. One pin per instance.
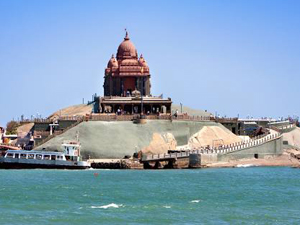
(126, 35)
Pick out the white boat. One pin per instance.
(69, 158)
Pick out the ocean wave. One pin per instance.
(195, 201)
(245, 165)
(167, 206)
(112, 205)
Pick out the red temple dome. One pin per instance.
(126, 49)
(112, 62)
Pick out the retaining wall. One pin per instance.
(208, 158)
(269, 148)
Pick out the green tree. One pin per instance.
(11, 127)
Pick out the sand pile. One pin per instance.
(213, 136)
(160, 144)
(115, 139)
(293, 137)
(75, 110)
(24, 129)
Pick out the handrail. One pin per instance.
(114, 117)
(237, 146)
(283, 127)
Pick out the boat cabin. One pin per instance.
(23, 154)
(71, 150)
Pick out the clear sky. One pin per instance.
(230, 57)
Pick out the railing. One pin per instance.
(70, 118)
(226, 120)
(114, 117)
(283, 128)
(167, 156)
(111, 117)
(186, 117)
(259, 140)
(35, 121)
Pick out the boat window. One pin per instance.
(23, 156)
(31, 156)
(9, 155)
(16, 156)
(46, 157)
(38, 156)
(52, 157)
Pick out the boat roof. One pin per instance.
(34, 152)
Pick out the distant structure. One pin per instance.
(127, 72)
(127, 86)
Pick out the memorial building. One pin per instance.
(127, 86)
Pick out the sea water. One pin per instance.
(258, 195)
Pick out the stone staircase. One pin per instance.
(56, 134)
(259, 140)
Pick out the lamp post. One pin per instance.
(142, 91)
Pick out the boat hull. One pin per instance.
(38, 166)
(32, 164)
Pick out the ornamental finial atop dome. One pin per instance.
(126, 49)
(126, 35)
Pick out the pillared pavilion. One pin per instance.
(127, 86)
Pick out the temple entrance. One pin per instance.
(128, 109)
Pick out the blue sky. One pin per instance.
(231, 57)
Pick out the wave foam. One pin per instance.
(245, 165)
(195, 201)
(112, 205)
(167, 206)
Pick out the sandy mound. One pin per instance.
(293, 137)
(23, 130)
(213, 136)
(160, 144)
(75, 110)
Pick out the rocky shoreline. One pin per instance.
(288, 158)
